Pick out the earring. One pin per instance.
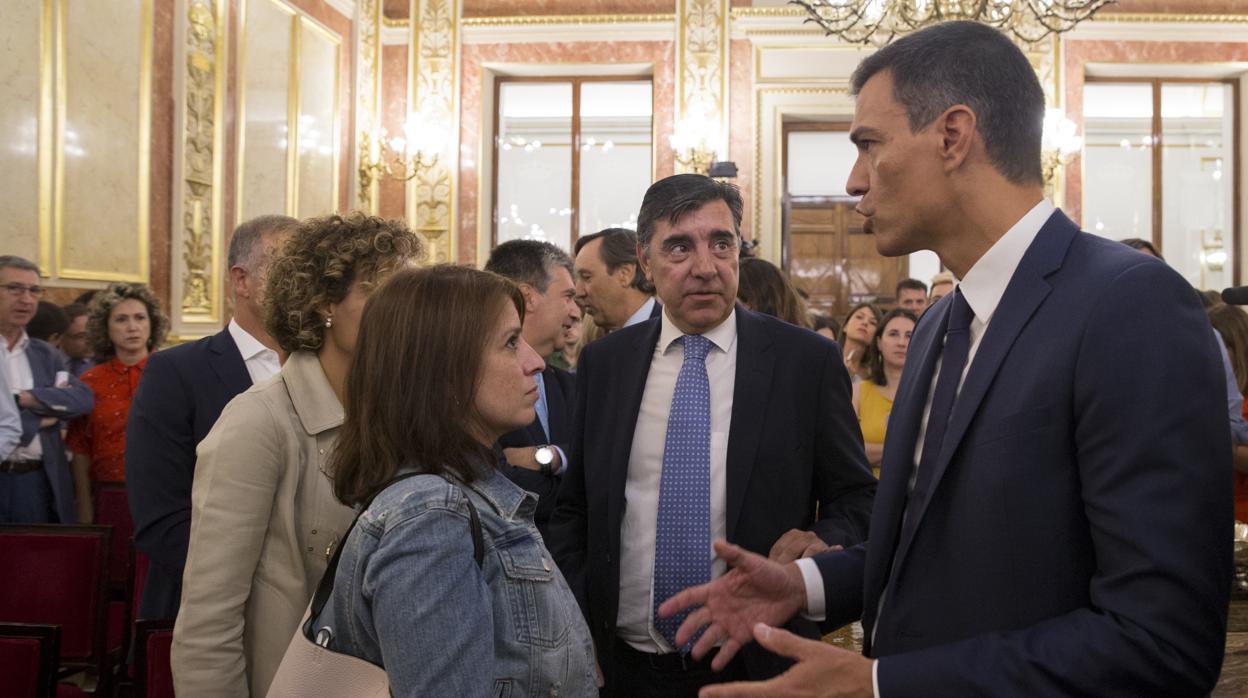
(329, 321)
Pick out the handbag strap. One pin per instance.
(326, 585)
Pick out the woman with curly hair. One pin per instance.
(124, 325)
(263, 517)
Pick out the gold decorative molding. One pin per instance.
(531, 20)
(702, 71)
(368, 92)
(767, 12)
(47, 129)
(201, 230)
(433, 102)
(1159, 18)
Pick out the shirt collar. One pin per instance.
(117, 365)
(985, 283)
(248, 345)
(642, 313)
(17, 348)
(310, 393)
(722, 335)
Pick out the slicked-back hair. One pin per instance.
(975, 65)
(49, 319)
(672, 198)
(619, 247)
(528, 262)
(12, 261)
(73, 311)
(246, 242)
(911, 284)
(411, 388)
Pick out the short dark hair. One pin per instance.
(912, 285)
(85, 298)
(413, 378)
(1141, 244)
(73, 311)
(528, 262)
(973, 64)
(245, 242)
(49, 319)
(872, 359)
(619, 247)
(672, 198)
(15, 262)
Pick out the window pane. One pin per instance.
(535, 162)
(1118, 160)
(819, 163)
(1197, 229)
(616, 148)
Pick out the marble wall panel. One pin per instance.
(392, 193)
(318, 124)
(20, 41)
(342, 27)
(264, 108)
(474, 117)
(741, 125)
(102, 203)
(160, 220)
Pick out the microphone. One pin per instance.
(1235, 296)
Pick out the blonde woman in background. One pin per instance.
(263, 514)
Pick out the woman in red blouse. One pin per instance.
(124, 325)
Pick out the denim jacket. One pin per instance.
(410, 597)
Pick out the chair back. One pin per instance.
(28, 659)
(153, 676)
(58, 575)
(112, 508)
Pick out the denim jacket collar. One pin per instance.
(509, 499)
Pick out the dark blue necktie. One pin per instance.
(682, 544)
(952, 363)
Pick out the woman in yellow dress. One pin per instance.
(873, 398)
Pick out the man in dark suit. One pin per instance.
(179, 398)
(708, 421)
(535, 456)
(1054, 514)
(36, 485)
(610, 282)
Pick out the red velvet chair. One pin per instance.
(28, 659)
(112, 508)
(58, 575)
(153, 677)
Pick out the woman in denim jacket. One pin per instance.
(440, 372)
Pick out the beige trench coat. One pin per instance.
(263, 516)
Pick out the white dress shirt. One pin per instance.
(983, 287)
(10, 416)
(21, 377)
(262, 362)
(643, 313)
(635, 620)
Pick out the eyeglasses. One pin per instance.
(18, 290)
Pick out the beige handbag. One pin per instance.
(310, 668)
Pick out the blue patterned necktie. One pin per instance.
(682, 545)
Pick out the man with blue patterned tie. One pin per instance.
(535, 456)
(709, 421)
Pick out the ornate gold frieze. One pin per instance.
(201, 162)
(532, 20)
(433, 106)
(702, 81)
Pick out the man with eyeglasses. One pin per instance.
(35, 481)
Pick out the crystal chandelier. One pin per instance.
(878, 22)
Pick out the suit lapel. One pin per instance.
(1023, 295)
(628, 373)
(227, 362)
(755, 362)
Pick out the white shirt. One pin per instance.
(10, 416)
(635, 620)
(21, 377)
(262, 362)
(983, 287)
(643, 313)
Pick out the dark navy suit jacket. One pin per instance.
(794, 444)
(560, 396)
(1076, 538)
(73, 400)
(179, 398)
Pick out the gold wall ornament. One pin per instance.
(368, 93)
(433, 116)
(878, 22)
(200, 225)
(700, 133)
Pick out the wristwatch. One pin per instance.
(545, 457)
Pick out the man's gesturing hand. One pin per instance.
(755, 590)
(821, 671)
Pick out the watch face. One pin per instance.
(545, 455)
